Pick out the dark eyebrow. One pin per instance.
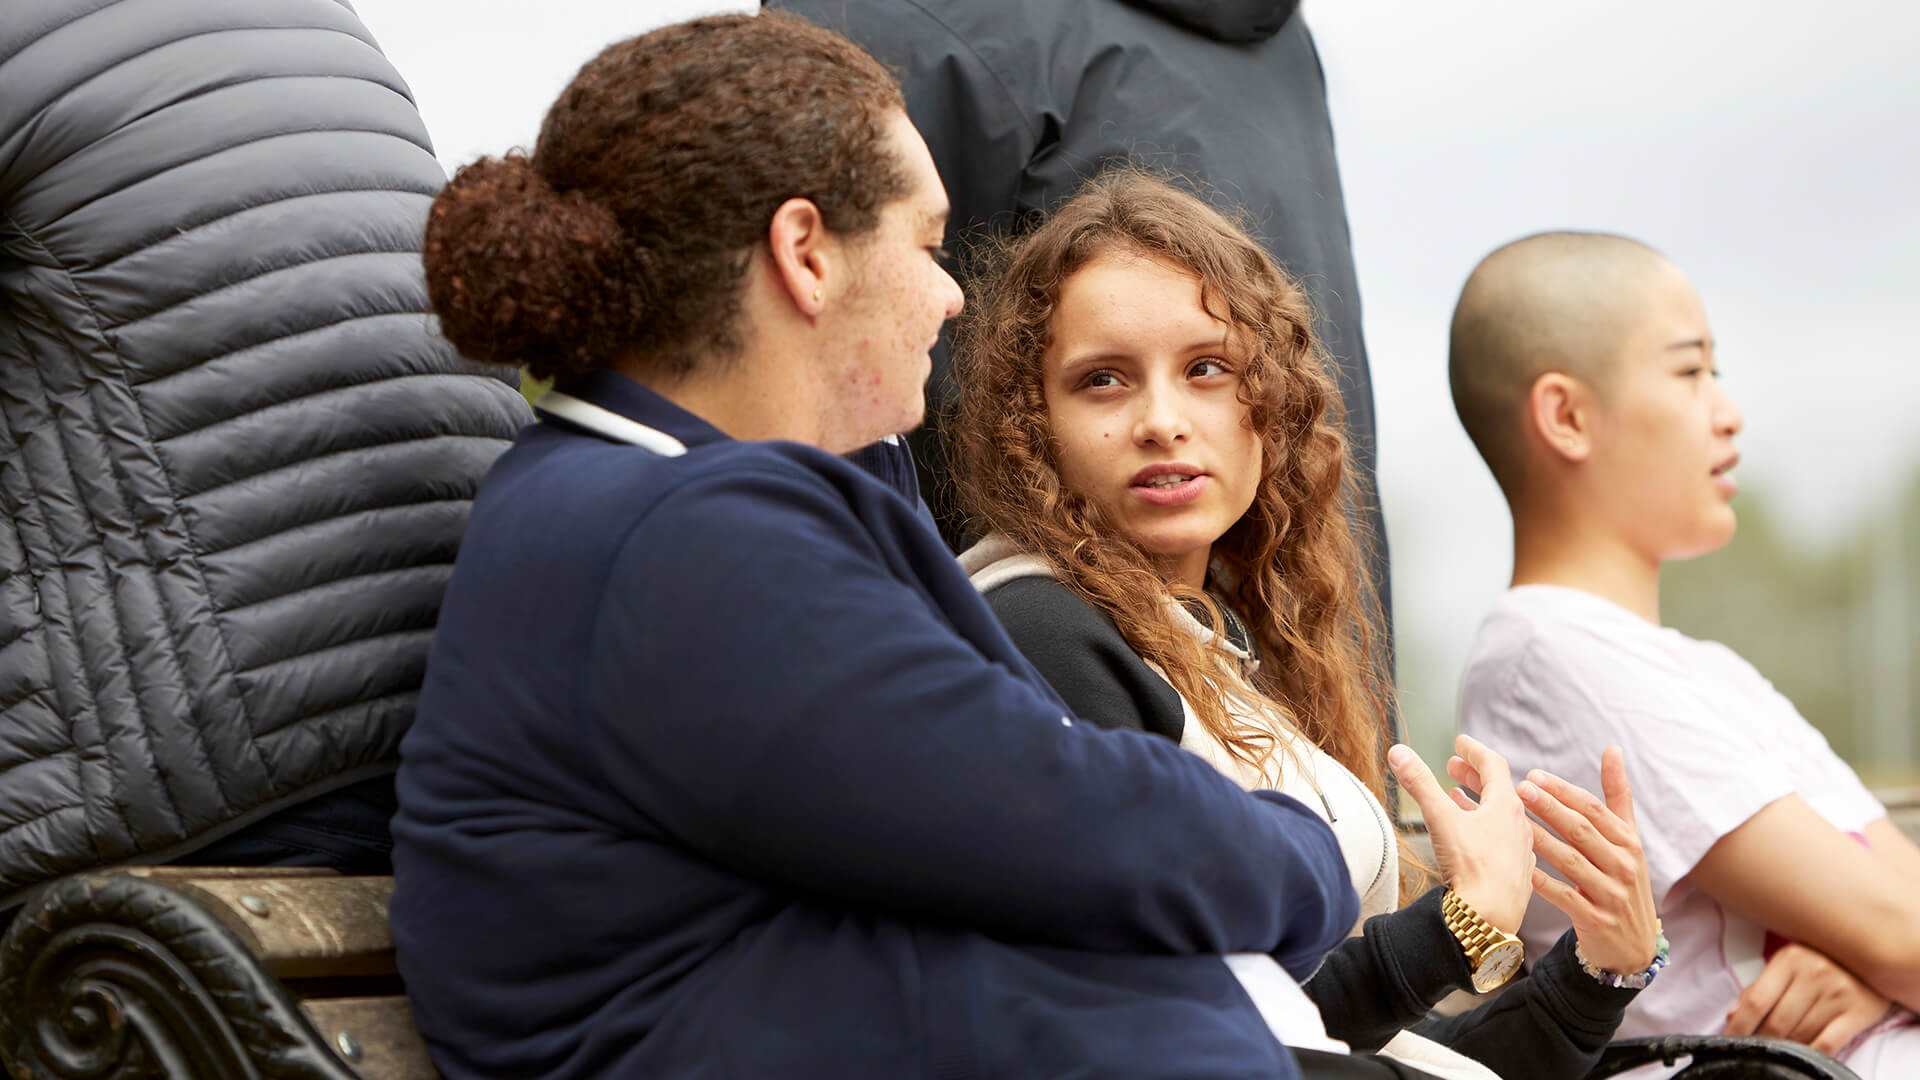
(1112, 355)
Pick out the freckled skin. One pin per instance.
(893, 311)
(1137, 373)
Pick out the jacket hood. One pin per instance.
(1236, 21)
(995, 560)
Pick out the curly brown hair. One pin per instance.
(627, 233)
(1295, 567)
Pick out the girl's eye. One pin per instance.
(940, 254)
(1205, 368)
(1097, 379)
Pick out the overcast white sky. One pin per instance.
(1771, 148)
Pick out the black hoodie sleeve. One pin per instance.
(1553, 1021)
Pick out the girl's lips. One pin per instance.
(1178, 494)
(1729, 487)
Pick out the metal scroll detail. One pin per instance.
(117, 978)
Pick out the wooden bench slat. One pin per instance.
(169, 874)
(303, 927)
(374, 1035)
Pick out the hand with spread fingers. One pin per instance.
(1485, 849)
(1595, 845)
(1806, 997)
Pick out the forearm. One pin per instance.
(1896, 973)
(1783, 869)
(1554, 1021)
(1373, 986)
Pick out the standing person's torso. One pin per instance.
(234, 460)
(1557, 675)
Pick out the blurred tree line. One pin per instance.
(1835, 627)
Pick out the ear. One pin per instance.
(803, 254)
(1560, 416)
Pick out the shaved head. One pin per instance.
(1560, 301)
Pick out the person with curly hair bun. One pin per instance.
(1146, 433)
(722, 767)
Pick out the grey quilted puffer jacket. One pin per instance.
(235, 459)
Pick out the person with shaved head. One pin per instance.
(1584, 369)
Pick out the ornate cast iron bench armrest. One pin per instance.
(207, 973)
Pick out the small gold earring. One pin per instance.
(816, 296)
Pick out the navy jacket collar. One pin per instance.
(628, 399)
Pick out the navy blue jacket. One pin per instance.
(722, 769)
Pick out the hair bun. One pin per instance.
(523, 275)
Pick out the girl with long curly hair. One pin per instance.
(1147, 438)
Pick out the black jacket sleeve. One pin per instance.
(1553, 1021)
(1374, 985)
(1078, 650)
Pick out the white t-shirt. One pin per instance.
(1557, 675)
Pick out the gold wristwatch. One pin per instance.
(1492, 953)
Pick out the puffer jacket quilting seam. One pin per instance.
(278, 661)
(345, 450)
(46, 693)
(48, 32)
(187, 557)
(71, 88)
(412, 569)
(170, 636)
(3, 645)
(58, 591)
(254, 346)
(361, 705)
(217, 151)
(32, 693)
(135, 320)
(329, 519)
(52, 812)
(186, 232)
(198, 93)
(367, 380)
(238, 81)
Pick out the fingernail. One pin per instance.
(1528, 792)
(1536, 776)
(1398, 756)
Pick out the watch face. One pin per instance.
(1498, 966)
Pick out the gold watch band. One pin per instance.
(1492, 953)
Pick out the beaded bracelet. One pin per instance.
(1636, 981)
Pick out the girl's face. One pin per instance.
(1142, 390)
